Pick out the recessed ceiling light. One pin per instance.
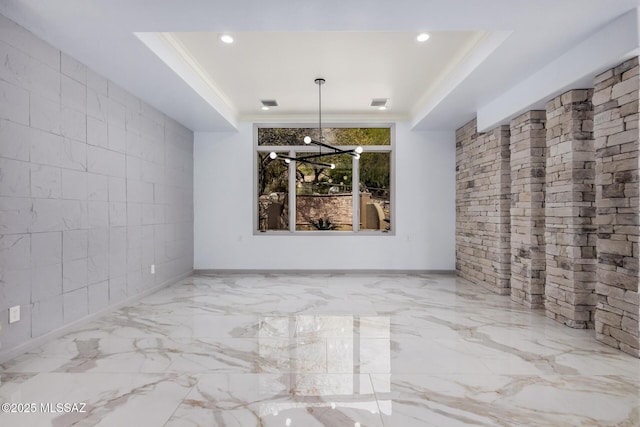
(423, 37)
(226, 38)
(265, 108)
(384, 107)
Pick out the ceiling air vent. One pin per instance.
(269, 102)
(379, 102)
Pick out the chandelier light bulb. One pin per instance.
(333, 166)
(307, 140)
(357, 156)
(273, 155)
(287, 160)
(359, 150)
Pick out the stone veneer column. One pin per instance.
(570, 237)
(615, 102)
(482, 207)
(528, 161)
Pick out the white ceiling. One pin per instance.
(357, 66)
(168, 53)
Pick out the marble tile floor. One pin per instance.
(309, 350)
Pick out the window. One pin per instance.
(355, 196)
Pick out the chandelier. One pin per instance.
(312, 159)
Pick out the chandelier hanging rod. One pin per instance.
(319, 82)
(308, 140)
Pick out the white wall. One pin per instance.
(425, 211)
(95, 187)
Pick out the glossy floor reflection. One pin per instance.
(325, 350)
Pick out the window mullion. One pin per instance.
(292, 193)
(355, 185)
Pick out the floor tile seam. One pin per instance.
(100, 372)
(375, 394)
(188, 392)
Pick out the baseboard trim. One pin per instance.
(215, 271)
(33, 343)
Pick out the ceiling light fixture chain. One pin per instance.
(320, 143)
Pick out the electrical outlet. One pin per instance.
(14, 314)
(153, 269)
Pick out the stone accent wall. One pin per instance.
(482, 207)
(570, 237)
(615, 102)
(528, 161)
